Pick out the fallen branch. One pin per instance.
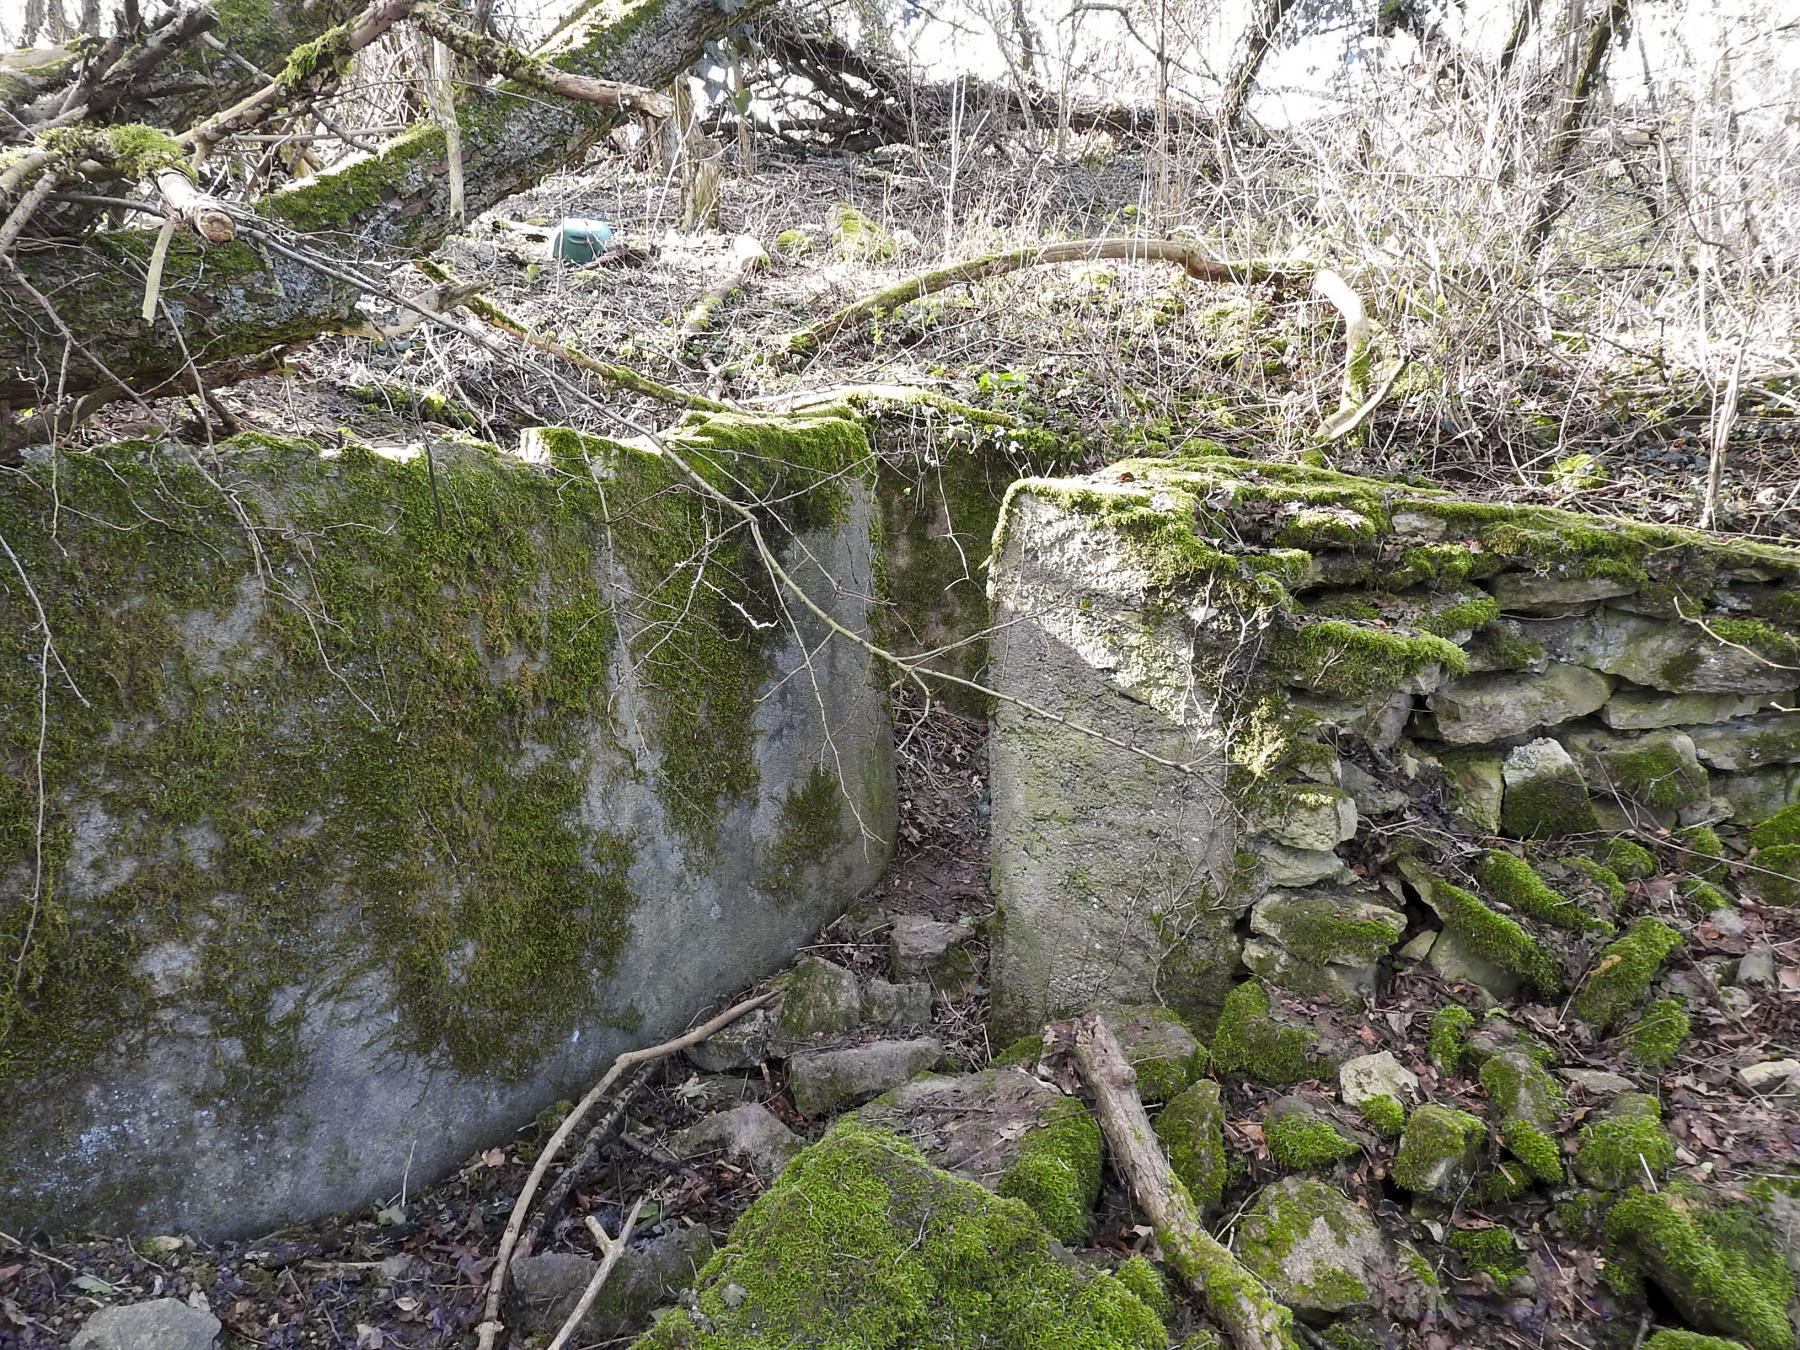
(603, 1133)
(1198, 263)
(1234, 1297)
(611, 1250)
(491, 1326)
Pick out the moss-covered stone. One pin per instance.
(1438, 1152)
(1781, 828)
(1161, 1050)
(1449, 1036)
(1776, 863)
(1526, 1100)
(862, 1237)
(1142, 1278)
(1705, 857)
(1342, 660)
(1191, 1129)
(1492, 1251)
(1057, 1172)
(1623, 973)
(1314, 1246)
(1514, 882)
(1716, 1263)
(1631, 860)
(1301, 1140)
(1627, 1147)
(1492, 935)
(1689, 1340)
(1600, 878)
(1658, 1033)
(1385, 1114)
(1251, 1042)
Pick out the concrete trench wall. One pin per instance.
(386, 801)
(1330, 660)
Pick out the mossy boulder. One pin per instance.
(1320, 1252)
(1716, 1262)
(1449, 1038)
(1488, 708)
(1007, 1129)
(1658, 1033)
(1628, 1146)
(1439, 1151)
(1489, 934)
(1515, 883)
(1191, 1129)
(1622, 974)
(1492, 1251)
(1655, 773)
(818, 1000)
(1526, 1100)
(1258, 1043)
(854, 236)
(862, 1242)
(1301, 1139)
(1545, 794)
(1158, 1046)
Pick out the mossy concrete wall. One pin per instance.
(1320, 654)
(360, 805)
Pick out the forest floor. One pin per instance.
(1131, 356)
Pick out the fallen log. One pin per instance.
(1234, 1297)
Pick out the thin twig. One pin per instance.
(612, 1249)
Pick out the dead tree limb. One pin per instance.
(235, 299)
(1589, 76)
(1198, 263)
(1265, 23)
(1234, 1297)
(491, 1325)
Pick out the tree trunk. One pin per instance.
(1264, 25)
(232, 300)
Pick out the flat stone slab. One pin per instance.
(971, 1124)
(159, 1324)
(1491, 708)
(1643, 710)
(750, 1132)
(823, 1081)
(1749, 743)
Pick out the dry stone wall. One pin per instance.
(1233, 690)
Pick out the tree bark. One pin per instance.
(1234, 1297)
(244, 297)
(1590, 74)
(1260, 36)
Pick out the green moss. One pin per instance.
(1761, 638)
(1703, 895)
(1287, 1215)
(1549, 806)
(1624, 971)
(1302, 1143)
(1315, 928)
(1516, 883)
(1717, 1265)
(1057, 1172)
(1025, 1050)
(1445, 563)
(1655, 1037)
(860, 1242)
(1657, 776)
(1385, 1114)
(1705, 856)
(1602, 876)
(1342, 660)
(1449, 1038)
(1494, 937)
(1249, 1041)
(354, 731)
(1504, 1182)
(1526, 1099)
(1629, 1147)
(1579, 1217)
(1781, 828)
(1143, 1279)
(1491, 1251)
(1777, 874)
(1435, 1135)
(1689, 1340)
(811, 828)
(1630, 860)
(1191, 1129)
(1462, 617)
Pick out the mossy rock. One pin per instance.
(1526, 1101)
(862, 1242)
(1159, 1047)
(1689, 1340)
(1449, 1038)
(1546, 796)
(1300, 1139)
(1621, 976)
(1492, 1251)
(1317, 1250)
(1629, 859)
(1717, 1263)
(1251, 1041)
(1438, 1152)
(1658, 1033)
(1491, 935)
(1514, 882)
(1626, 1147)
(1191, 1129)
